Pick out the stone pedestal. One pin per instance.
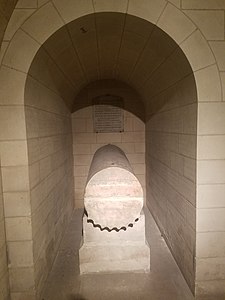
(123, 251)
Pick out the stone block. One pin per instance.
(17, 204)
(218, 49)
(21, 51)
(21, 279)
(197, 51)
(19, 16)
(211, 171)
(20, 254)
(71, 9)
(15, 179)
(43, 23)
(26, 4)
(148, 9)
(12, 119)
(13, 82)
(210, 22)
(210, 195)
(210, 219)
(115, 6)
(18, 229)
(13, 153)
(211, 118)
(175, 23)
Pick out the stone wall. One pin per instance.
(50, 158)
(171, 172)
(4, 280)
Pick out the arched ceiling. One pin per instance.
(110, 46)
(6, 9)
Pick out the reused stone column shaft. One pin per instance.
(114, 223)
(113, 195)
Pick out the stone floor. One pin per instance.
(164, 282)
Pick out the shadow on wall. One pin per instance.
(73, 297)
(76, 297)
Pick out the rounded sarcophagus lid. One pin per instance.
(113, 195)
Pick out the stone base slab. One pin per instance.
(122, 251)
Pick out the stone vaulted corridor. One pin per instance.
(146, 76)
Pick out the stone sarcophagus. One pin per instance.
(114, 222)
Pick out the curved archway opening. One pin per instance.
(122, 55)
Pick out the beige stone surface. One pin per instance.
(211, 171)
(211, 147)
(21, 51)
(170, 173)
(210, 288)
(15, 179)
(3, 49)
(50, 175)
(113, 195)
(19, 16)
(211, 119)
(210, 219)
(21, 279)
(211, 195)
(115, 6)
(17, 204)
(20, 254)
(207, 244)
(203, 4)
(210, 268)
(71, 9)
(13, 153)
(177, 3)
(166, 162)
(86, 142)
(23, 296)
(197, 51)
(156, 284)
(218, 49)
(122, 251)
(208, 84)
(175, 23)
(42, 2)
(27, 4)
(12, 120)
(114, 258)
(43, 23)
(149, 10)
(12, 90)
(210, 22)
(18, 229)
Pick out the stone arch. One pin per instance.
(29, 37)
(28, 40)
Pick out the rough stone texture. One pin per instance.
(113, 195)
(124, 251)
(113, 202)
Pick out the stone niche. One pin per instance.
(113, 221)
